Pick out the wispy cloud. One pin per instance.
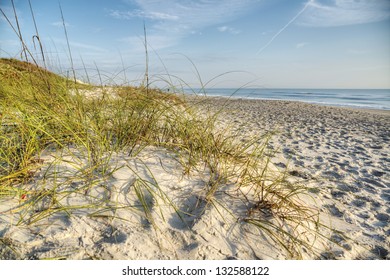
(79, 45)
(356, 52)
(228, 29)
(301, 45)
(142, 14)
(9, 12)
(322, 13)
(60, 24)
(136, 44)
(87, 47)
(9, 42)
(97, 30)
(175, 19)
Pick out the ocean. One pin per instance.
(357, 98)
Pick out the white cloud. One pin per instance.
(228, 29)
(222, 28)
(172, 20)
(344, 12)
(142, 14)
(301, 45)
(184, 17)
(79, 45)
(136, 44)
(87, 47)
(60, 24)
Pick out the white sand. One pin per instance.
(112, 232)
(340, 152)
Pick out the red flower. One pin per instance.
(23, 196)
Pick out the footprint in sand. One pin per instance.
(336, 175)
(374, 182)
(380, 252)
(359, 203)
(353, 170)
(375, 205)
(320, 159)
(385, 196)
(383, 218)
(334, 210)
(337, 194)
(113, 236)
(191, 210)
(377, 173)
(364, 215)
(348, 188)
(369, 189)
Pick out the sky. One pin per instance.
(215, 43)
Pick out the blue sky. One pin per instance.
(232, 43)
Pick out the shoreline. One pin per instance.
(190, 96)
(342, 152)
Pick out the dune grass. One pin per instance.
(84, 127)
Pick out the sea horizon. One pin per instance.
(377, 99)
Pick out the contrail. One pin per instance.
(284, 27)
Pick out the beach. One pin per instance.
(195, 130)
(340, 155)
(342, 152)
